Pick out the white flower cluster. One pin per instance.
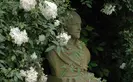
(108, 9)
(30, 75)
(34, 56)
(44, 78)
(104, 80)
(28, 5)
(63, 38)
(42, 38)
(48, 9)
(18, 36)
(123, 65)
(56, 23)
(92, 78)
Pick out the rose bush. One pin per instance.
(27, 29)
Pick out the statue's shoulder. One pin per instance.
(52, 53)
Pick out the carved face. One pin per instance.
(74, 30)
(74, 26)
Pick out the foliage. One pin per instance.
(128, 4)
(87, 2)
(88, 36)
(122, 4)
(127, 35)
(14, 58)
(116, 48)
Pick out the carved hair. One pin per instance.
(71, 17)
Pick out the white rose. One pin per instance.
(108, 9)
(18, 36)
(57, 23)
(41, 38)
(28, 5)
(44, 78)
(31, 75)
(34, 56)
(63, 38)
(22, 73)
(122, 66)
(48, 9)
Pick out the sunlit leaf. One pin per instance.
(50, 48)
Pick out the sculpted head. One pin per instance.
(73, 25)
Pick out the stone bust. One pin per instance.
(71, 65)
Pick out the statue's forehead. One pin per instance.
(74, 18)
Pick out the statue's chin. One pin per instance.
(76, 37)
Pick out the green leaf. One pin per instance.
(105, 72)
(58, 49)
(2, 38)
(50, 48)
(62, 49)
(51, 26)
(79, 70)
(13, 58)
(64, 66)
(89, 28)
(90, 67)
(2, 53)
(1, 66)
(15, 78)
(99, 48)
(87, 2)
(31, 43)
(81, 0)
(77, 55)
(19, 76)
(63, 73)
(89, 5)
(55, 42)
(52, 32)
(2, 61)
(85, 40)
(85, 32)
(2, 12)
(93, 64)
(19, 52)
(2, 47)
(72, 68)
